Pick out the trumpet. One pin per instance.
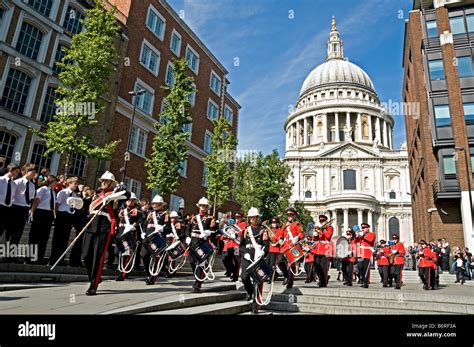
(271, 235)
(319, 229)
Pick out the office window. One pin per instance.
(207, 143)
(215, 83)
(156, 23)
(204, 176)
(38, 158)
(2, 13)
(457, 25)
(212, 110)
(175, 202)
(150, 58)
(72, 20)
(16, 91)
(449, 165)
(58, 57)
(183, 168)
(192, 98)
(7, 146)
(349, 180)
(144, 101)
(49, 108)
(470, 23)
(469, 113)
(188, 128)
(134, 186)
(29, 41)
(465, 66)
(175, 43)
(138, 140)
(431, 29)
(436, 69)
(193, 59)
(169, 75)
(442, 116)
(42, 6)
(77, 165)
(228, 114)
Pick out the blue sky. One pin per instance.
(278, 42)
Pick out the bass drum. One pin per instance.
(341, 247)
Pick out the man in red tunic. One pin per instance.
(322, 250)
(398, 251)
(366, 241)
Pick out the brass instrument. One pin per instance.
(233, 233)
(271, 235)
(319, 229)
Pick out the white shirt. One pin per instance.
(459, 262)
(43, 194)
(61, 199)
(3, 190)
(19, 195)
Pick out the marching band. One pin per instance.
(256, 251)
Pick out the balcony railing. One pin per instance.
(447, 189)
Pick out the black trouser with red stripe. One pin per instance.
(94, 248)
(384, 273)
(364, 271)
(347, 268)
(287, 270)
(309, 269)
(396, 272)
(321, 267)
(428, 276)
(231, 262)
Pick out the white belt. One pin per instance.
(196, 234)
(365, 247)
(248, 246)
(323, 242)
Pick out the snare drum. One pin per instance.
(126, 242)
(260, 271)
(201, 251)
(155, 243)
(294, 253)
(176, 250)
(341, 247)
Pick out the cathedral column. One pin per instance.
(334, 224)
(359, 216)
(325, 127)
(298, 134)
(359, 127)
(390, 144)
(336, 124)
(315, 130)
(369, 218)
(377, 131)
(305, 131)
(385, 140)
(346, 219)
(371, 138)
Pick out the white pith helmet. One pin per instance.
(253, 212)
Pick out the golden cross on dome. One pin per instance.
(333, 23)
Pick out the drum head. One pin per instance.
(342, 247)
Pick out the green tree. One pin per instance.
(86, 68)
(169, 144)
(220, 169)
(304, 216)
(262, 182)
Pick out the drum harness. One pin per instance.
(162, 258)
(299, 269)
(207, 270)
(258, 255)
(171, 268)
(131, 263)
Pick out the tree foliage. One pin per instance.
(169, 144)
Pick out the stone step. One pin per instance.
(223, 308)
(389, 305)
(324, 309)
(388, 294)
(11, 287)
(211, 295)
(39, 277)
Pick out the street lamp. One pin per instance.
(468, 179)
(126, 156)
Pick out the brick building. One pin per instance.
(32, 34)
(156, 36)
(439, 78)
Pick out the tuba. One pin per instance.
(231, 231)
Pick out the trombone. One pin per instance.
(319, 229)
